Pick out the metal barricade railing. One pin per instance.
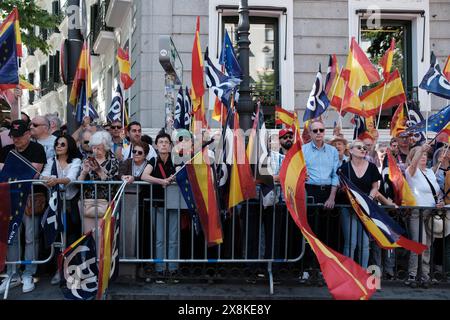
(14, 249)
(252, 234)
(141, 229)
(427, 225)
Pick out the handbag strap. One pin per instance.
(431, 187)
(161, 168)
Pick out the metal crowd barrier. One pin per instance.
(252, 234)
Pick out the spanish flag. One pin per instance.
(106, 237)
(446, 70)
(25, 85)
(83, 73)
(242, 184)
(345, 278)
(197, 79)
(202, 182)
(398, 123)
(220, 112)
(359, 71)
(285, 117)
(386, 61)
(123, 60)
(13, 18)
(403, 195)
(386, 95)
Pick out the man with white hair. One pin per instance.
(40, 131)
(55, 123)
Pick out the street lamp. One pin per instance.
(245, 104)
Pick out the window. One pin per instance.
(264, 70)
(31, 92)
(375, 41)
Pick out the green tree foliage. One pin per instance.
(31, 15)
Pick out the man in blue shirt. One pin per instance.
(322, 162)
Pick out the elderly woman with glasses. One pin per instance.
(131, 170)
(102, 166)
(365, 176)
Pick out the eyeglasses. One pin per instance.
(86, 141)
(61, 144)
(36, 124)
(364, 148)
(322, 130)
(116, 127)
(139, 152)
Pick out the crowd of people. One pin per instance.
(112, 152)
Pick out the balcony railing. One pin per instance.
(99, 23)
(48, 86)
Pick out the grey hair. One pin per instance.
(354, 142)
(81, 133)
(53, 117)
(101, 137)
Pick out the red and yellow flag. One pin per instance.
(25, 85)
(242, 184)
(123, 60)
(13, 18)
(446, 70)
(398, 123)
(386, 61)
(285, 117)
(345, 278)
(83, 73)
(359, 71)
(386, 95)
(203, 188)
(403, 195)
(197, 79)
(106, 237)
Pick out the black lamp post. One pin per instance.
(245, 104)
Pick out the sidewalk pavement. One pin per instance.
(140, 290)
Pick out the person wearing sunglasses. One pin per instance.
(321, 185)
(116, 131)
(83, 143)
(40, 131)
(61, 171)
(131, 170)
(366, 177)
(134, 131)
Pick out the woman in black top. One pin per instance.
(365, 176)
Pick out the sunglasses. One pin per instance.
(116, 127)
(86, 141)
(287, 137)
(61, 144)
(139, 152)
(361, 148)
(321, 130)
(36, 124)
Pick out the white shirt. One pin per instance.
(48, 144)
(421, 188)
(71, 172)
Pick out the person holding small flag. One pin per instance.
(35, 154)
(424, 185)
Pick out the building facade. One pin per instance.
(289, 40)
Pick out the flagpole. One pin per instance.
(129, 59)
(342, 103)
(445, 153)
(195, 156)
(334, 90)
(381, 105)
(86, 106)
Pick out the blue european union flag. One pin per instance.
(434, 81)
(228, 58)
(15, 169)
(186, 191)
(9, 69)
(436, 122)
